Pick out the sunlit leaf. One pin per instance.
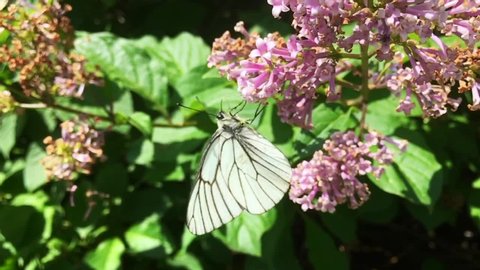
(107, 255)
(128, 64)
(142, 122)
(244, 233)
(34, 175)
(415, 175)
(148, 238)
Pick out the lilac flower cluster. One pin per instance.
(331, 177)
(75, 152)
(294, 70)
(39, 50)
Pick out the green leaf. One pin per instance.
(181, 54)
(185, 260)
(382, 116)
(10, 127)
(111, 178)
(432, 219)
(21, 225)
(10, 168)
(474, 202)
(38, 200)
(280, 134)
(148, 238)
(322, 251)
(327, 118)
(34, 175)
(415, 175)
(141, 152)
(245, 232)
(127, 63)
(278, 244)
(166, 135)
(142, 122)
(107, 255)
(342, 224)
(176, 141)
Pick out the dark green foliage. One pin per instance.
(424, 212)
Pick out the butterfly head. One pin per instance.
(221, 115)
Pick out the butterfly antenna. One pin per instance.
(258, 111)
(238, 105)
(195, 110)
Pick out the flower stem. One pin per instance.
(364, 89)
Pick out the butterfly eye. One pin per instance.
(220, 116)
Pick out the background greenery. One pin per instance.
(424, 213)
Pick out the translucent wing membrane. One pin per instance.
(239, 171)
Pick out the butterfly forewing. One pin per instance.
(239, 170)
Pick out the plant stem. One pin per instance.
(365, 89)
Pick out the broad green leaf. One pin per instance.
(21, 225)
(431, 219)
(148, 238)
(107, 255)
(278, 244)
(245, 232)
(181, 54)
(201, 87)
(167, 135)
(128, 64)
(342, 224)
(142, 122)
(141, 152)
(382, 116)
(381, 207)
(326, 120)
(141, 203)
(10, 126)
(177, 141)
(10, 168)
(415, 175)
(322, 251)
(278, 133)
(111, 178)
(186, 261)
(38, 200)
(34, 175)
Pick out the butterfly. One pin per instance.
(239, 170)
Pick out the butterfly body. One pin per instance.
(239, 170)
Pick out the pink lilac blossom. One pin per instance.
(79, 147)
(331, 177)
(294, 70)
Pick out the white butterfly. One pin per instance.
(239, 170)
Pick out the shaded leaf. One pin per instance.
(322, 251)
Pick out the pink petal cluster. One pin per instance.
(76, 151)
(292, 71)
(331, 177)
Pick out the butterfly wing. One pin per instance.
(263, 172)
(237, 171)
(211, 202)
